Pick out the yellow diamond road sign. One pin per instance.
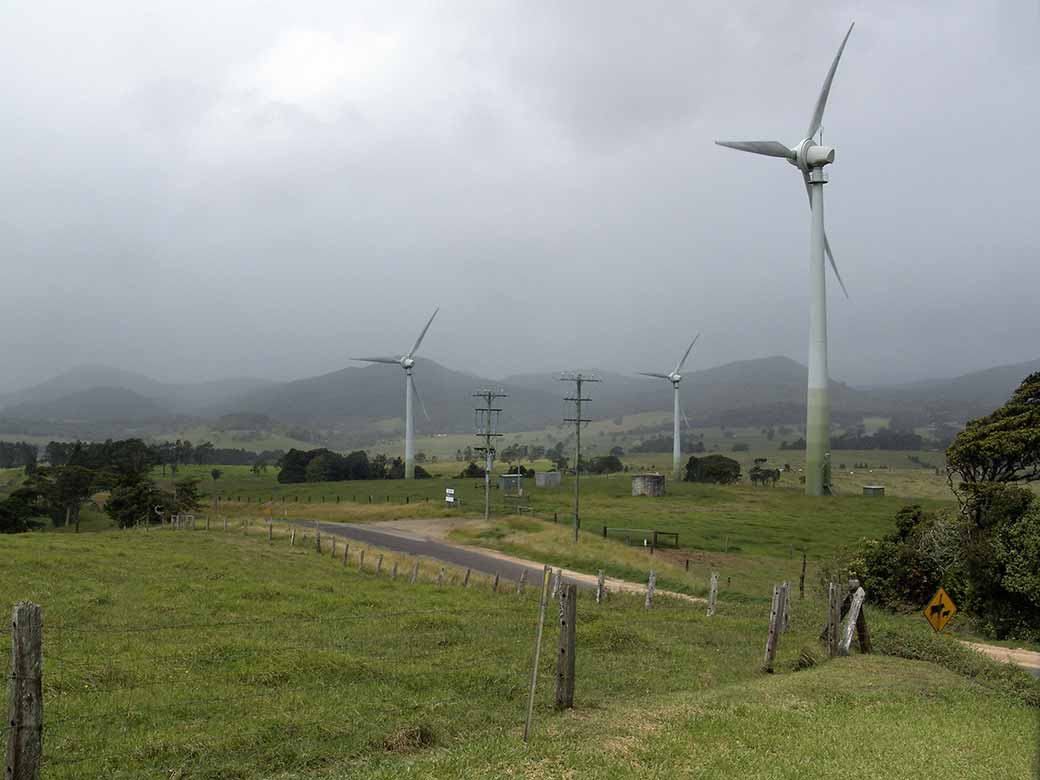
(940, 609)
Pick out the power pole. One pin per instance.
(578, 379)
(485, 420)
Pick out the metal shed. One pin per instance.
(547, 479)
(873, 490)
(648, 485)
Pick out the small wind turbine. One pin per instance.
(407, 362)
(675, 377)
(810, 158)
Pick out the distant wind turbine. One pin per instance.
(407, 362)
(810, 158)
(675, 377)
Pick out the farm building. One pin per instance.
(547, 479)
(873, 490)
(509, 483)
(648, 485)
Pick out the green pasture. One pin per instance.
(222, 655)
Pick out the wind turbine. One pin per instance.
(810, 158)
(675, 377)
(407, 362)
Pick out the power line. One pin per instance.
(486, 422)
(578, 379)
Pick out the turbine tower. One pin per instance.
(407, 362)
(810, 158)
(675, 377)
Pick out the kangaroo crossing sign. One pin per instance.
(939, 610)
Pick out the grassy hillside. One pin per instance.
(218, 655)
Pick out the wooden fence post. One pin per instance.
(225, 522)
(565, 657)
(393, 572)
(270, 532)
(785, 615)
(522, 581)
(651, 586)
(25, 696)
(317, 537)
(415, 573)
(833, 618)
(543, 600)
(346, 552)
(465, 580)
(801, 579)
(440, 577)
(361, 560)
(333, 546)
(599, 587)
(207, 522)
(851, 620)
(776, 612)
(713, 593)
(292, 538)
(555, 588)
(494, 585)
(379, 563)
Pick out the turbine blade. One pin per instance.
(821, 101)
(685, 418)
(656, 376)
(768, 148)
(834, 266)
(395, 361)
(415, 389)
(826, 241)
(422, 335)
(682, 362)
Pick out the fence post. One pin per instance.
(333, 546)
(346, 552)
(379, 563)
(393, 572)
(207, 522)
(317, 537)
(415, 573)
(651, 586)
(25, 699)
(537, 648)
(225, 523)
(851, 620)
(833, 618)
(465, 580)
(565, 658)
(687, 564)
(801, 580)
(555, 583)
(440, 577)
(522, 581)
(494, 585)
(292, 538)
(775, 619)
(785, 615)
(361, 560)
(713, 593)
(599, 587)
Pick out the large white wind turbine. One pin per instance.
(675, 377)
(407, 362)
(810, 158)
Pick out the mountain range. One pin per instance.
(355, 400)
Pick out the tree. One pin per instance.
(186, 495)
(17, 515)
(294, 466)
(216, 474)
(717, 469)
(472, 471)
(134, 500)
(1003, 446)
(72, 485)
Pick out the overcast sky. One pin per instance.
(197, 190)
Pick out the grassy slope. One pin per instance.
(218, 655)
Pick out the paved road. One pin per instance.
(399, 541)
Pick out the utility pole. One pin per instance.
(578, 379)
(485, 419)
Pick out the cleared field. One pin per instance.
(218, 655)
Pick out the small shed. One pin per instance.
(547, 479)
(509, 483)
(648, 485)
(873, 490)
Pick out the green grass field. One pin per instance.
(219, 655)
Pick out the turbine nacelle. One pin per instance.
(675, 378)
(809, 155)
(407, 363)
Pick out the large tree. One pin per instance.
(1003, 446)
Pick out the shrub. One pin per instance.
(717, 469)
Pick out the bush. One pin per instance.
(716, 469)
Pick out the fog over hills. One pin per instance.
(353, 400)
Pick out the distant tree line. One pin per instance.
(170, 454)
(323, 465)
(664, 444)
(17, 455)
(884, 439)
